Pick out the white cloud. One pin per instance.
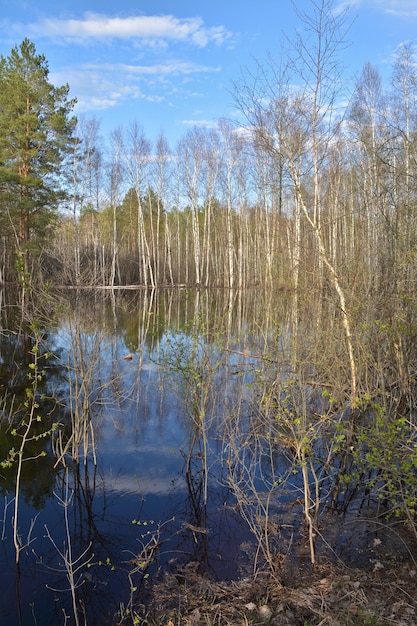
(106, 85)
(96, 104)
(404, 12)
(399, 8)
(149, 30)
(203, 123)
(162, 69)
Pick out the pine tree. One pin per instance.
(36, 128)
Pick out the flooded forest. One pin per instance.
(208, 364)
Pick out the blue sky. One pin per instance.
(169, 64)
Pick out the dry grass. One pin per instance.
(325, 595)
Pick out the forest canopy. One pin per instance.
(299, 191)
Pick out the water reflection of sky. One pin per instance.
(142, 434)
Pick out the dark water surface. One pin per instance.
(140, 486)
(175, 418)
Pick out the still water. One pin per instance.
(142, 487)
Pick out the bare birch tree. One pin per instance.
(162, 174)
(115, 178)
(296, 124)
(191, 160)
(138, 149)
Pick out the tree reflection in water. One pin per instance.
(204, 450)
(126, 450)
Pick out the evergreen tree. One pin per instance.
(36, 128)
